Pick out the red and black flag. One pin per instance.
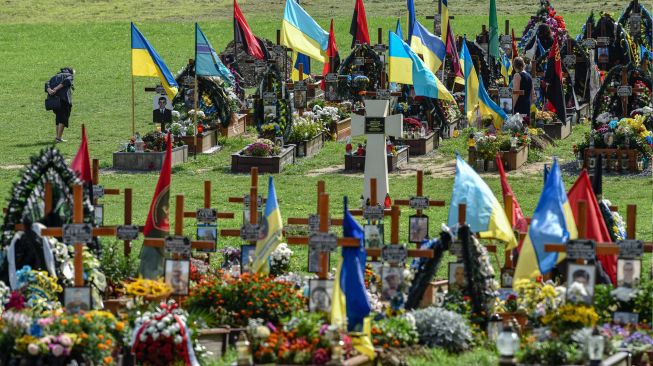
(243, 34)
(358, 28)
(332, 55)
(158, 224)
(553, 78)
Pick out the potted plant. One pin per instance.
(306, 134)
(264, 154)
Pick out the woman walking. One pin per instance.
(61, 86)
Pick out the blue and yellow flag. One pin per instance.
(146, 62)
(351, 305)
(300, 58)
(398, 30)
(506, 67)
(406, 67)
(302, 34)
(485, 215)
(271, 232)
(410, 4)
(427, 44)
(476, 97)
(552, 223)
(207, 61)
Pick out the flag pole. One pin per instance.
(195, 114)
(133, 108)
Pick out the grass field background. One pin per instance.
(38, 37)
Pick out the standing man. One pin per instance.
(61, 86)
(162, 114)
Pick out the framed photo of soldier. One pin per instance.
(177, 275)
(319, 295)
(418, 228)
(457, 280)
(391, 280)
(374, 235)
(629, 273)
(581, 279)
(247, 253)
(77, 299)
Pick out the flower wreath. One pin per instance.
(284, 112)
(358, 81)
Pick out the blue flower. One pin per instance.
(35, 330)
(649, 140)
(613, 124)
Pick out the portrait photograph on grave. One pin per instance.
(314, 260)
(247, 253)
(99, 215)
(177, 275)
(208, 232)
(161, 109)
(246, 216)
(457, 280)
(629, 273)
(319, 295)
(77, 299)
(300, 99)
(331, 91)
(507, 275)
(604, 55)
(581, 279)
(270, 110)
(506, 105)
(391, 281)
(374, 236)
(418, 228)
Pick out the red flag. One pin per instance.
(244, 35)
(81, 163)
(519, 222)
(358, 27)
(332, 54)
(595, 228)
(515, 52)
(555, 93)
(157, 224)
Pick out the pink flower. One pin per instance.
(65, 341)
(33, 349)
(57, 350)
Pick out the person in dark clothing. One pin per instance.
(162, 115)
(61, 85)
(522, 81)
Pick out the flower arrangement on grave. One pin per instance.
(533, 299)
(116, 267)
(613, 220)
(550, 352)
(545, 118)
(199, 269)
(545, 25)
(643, 35)
(305, 127)
(230, 257)
(395, 332)
(626, 133)
(450, 110)
(38, 291)
(269, 131)
(154, 141)
(608, 300)
(280, 260)
(413, 128)
(635, 340)
(5, 293)
(305, 338)
(570, 316)
(217, 100)
(148, 290)
(442, 328)
(262, 148)
(282, 111)
(234, 300)
(487, 146)
(163, 337)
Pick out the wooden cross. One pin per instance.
(395, 213)
(321, 188)
(324, 229)
(601, 248)
(419, 196)
(624, 91)
(436, 22)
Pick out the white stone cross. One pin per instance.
(376, 124)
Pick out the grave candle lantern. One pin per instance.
(595, 346)
(508, 342)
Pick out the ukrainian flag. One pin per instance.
(406, 67)
(444, 19)
(146, 62)
(300, 58)
(506, 67)
(428, 45)
(476, 97)
(552, 223)
(273, 230)
(351, 306)
(301, 33)
(207, 61)
(485, 215)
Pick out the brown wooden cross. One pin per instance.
(624, 91)
(321, 188)
(419, 196)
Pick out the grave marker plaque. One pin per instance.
(383, 94)
(602, 41)
(269, 98)
(77, 233)
(624, 91)
(589, 43)
(394, 254)
(419, 202)
(207, 215)
(178, 244)
(581, 250)
(373, 212)
(249, 232)
(634, 23)
(98, 191)
(630, 249)
(375, 125)
(569, 61)
(127, 232)
(323, 242)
